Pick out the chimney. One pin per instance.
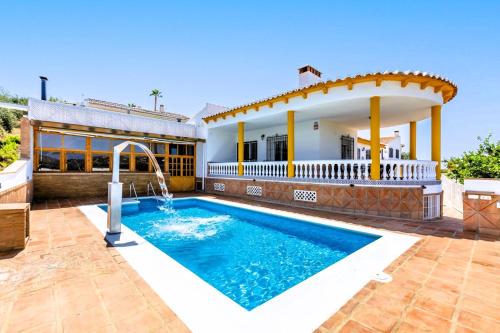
(396, 133)
(162, 108)
(308, 75)
(44, 88)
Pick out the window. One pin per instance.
(75, 142)
(161, 162)
(249, 151)
(158, 148)
(101, 162)
(368, 154)
(141, 163)
(397, 153)
(391, 153)
(49, 161)
(174, 166)
(347, 147)
(59, 152)
(46, 140)
(102, 144)
(188, 166)
(359, 154)
(124, 162)
(75, 161)
(277, 148)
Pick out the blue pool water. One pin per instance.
(249, 256)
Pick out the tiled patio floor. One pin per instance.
(68, 280)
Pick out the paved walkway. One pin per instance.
(68, 280)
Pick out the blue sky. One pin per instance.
(229, 53)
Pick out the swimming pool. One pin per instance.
(293, 306)
(249, 256)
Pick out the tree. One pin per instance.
(482, 163)
(8, 120)
(157, 94)
(405, 155)
(8, 98)
(132, 105)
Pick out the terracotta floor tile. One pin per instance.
(334, 321)
(481, 307)
(354, 327)
(390, 305)
(439, 295)
(408, 328)
(478, 322)
(427, 321)
(69, 275)
(32, 310)
(90, 320)
(375, 318)
(437, 308)
(142, 321)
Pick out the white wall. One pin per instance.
(307, 143)
(310, 143)
(330, 139)
(221, 145)
(15, 174)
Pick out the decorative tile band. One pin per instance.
(254, 190)
(301, 195)
(219, 187)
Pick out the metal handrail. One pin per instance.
(132, 187)
(153, 190)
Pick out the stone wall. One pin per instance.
(18, 194)
(396, 202)
(81, 185)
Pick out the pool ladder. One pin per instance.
(150, 186)
(132, 187)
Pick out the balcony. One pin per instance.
(332, 171)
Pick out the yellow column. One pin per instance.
(436, 138)
(291, 143)
(375, 136)
(413, 140)
(241, 146)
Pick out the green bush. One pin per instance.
(9, 150)
(8, 120)
(482, 163)
(8, 98)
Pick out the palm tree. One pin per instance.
(157, 94)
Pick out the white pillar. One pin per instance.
(114, 207)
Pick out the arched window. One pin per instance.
(391, 153)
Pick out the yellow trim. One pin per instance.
(447, 89)
(413, 140)
(364, 141)
(375, 136)
(291, 143)
(436, 138)
(241, 146)
(368, 142)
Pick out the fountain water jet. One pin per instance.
(115, 188)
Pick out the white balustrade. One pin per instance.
(332, 169)
(223, 169)
(408, 170)
(274, 169)
(395, 170)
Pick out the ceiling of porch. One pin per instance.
(353, 113)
